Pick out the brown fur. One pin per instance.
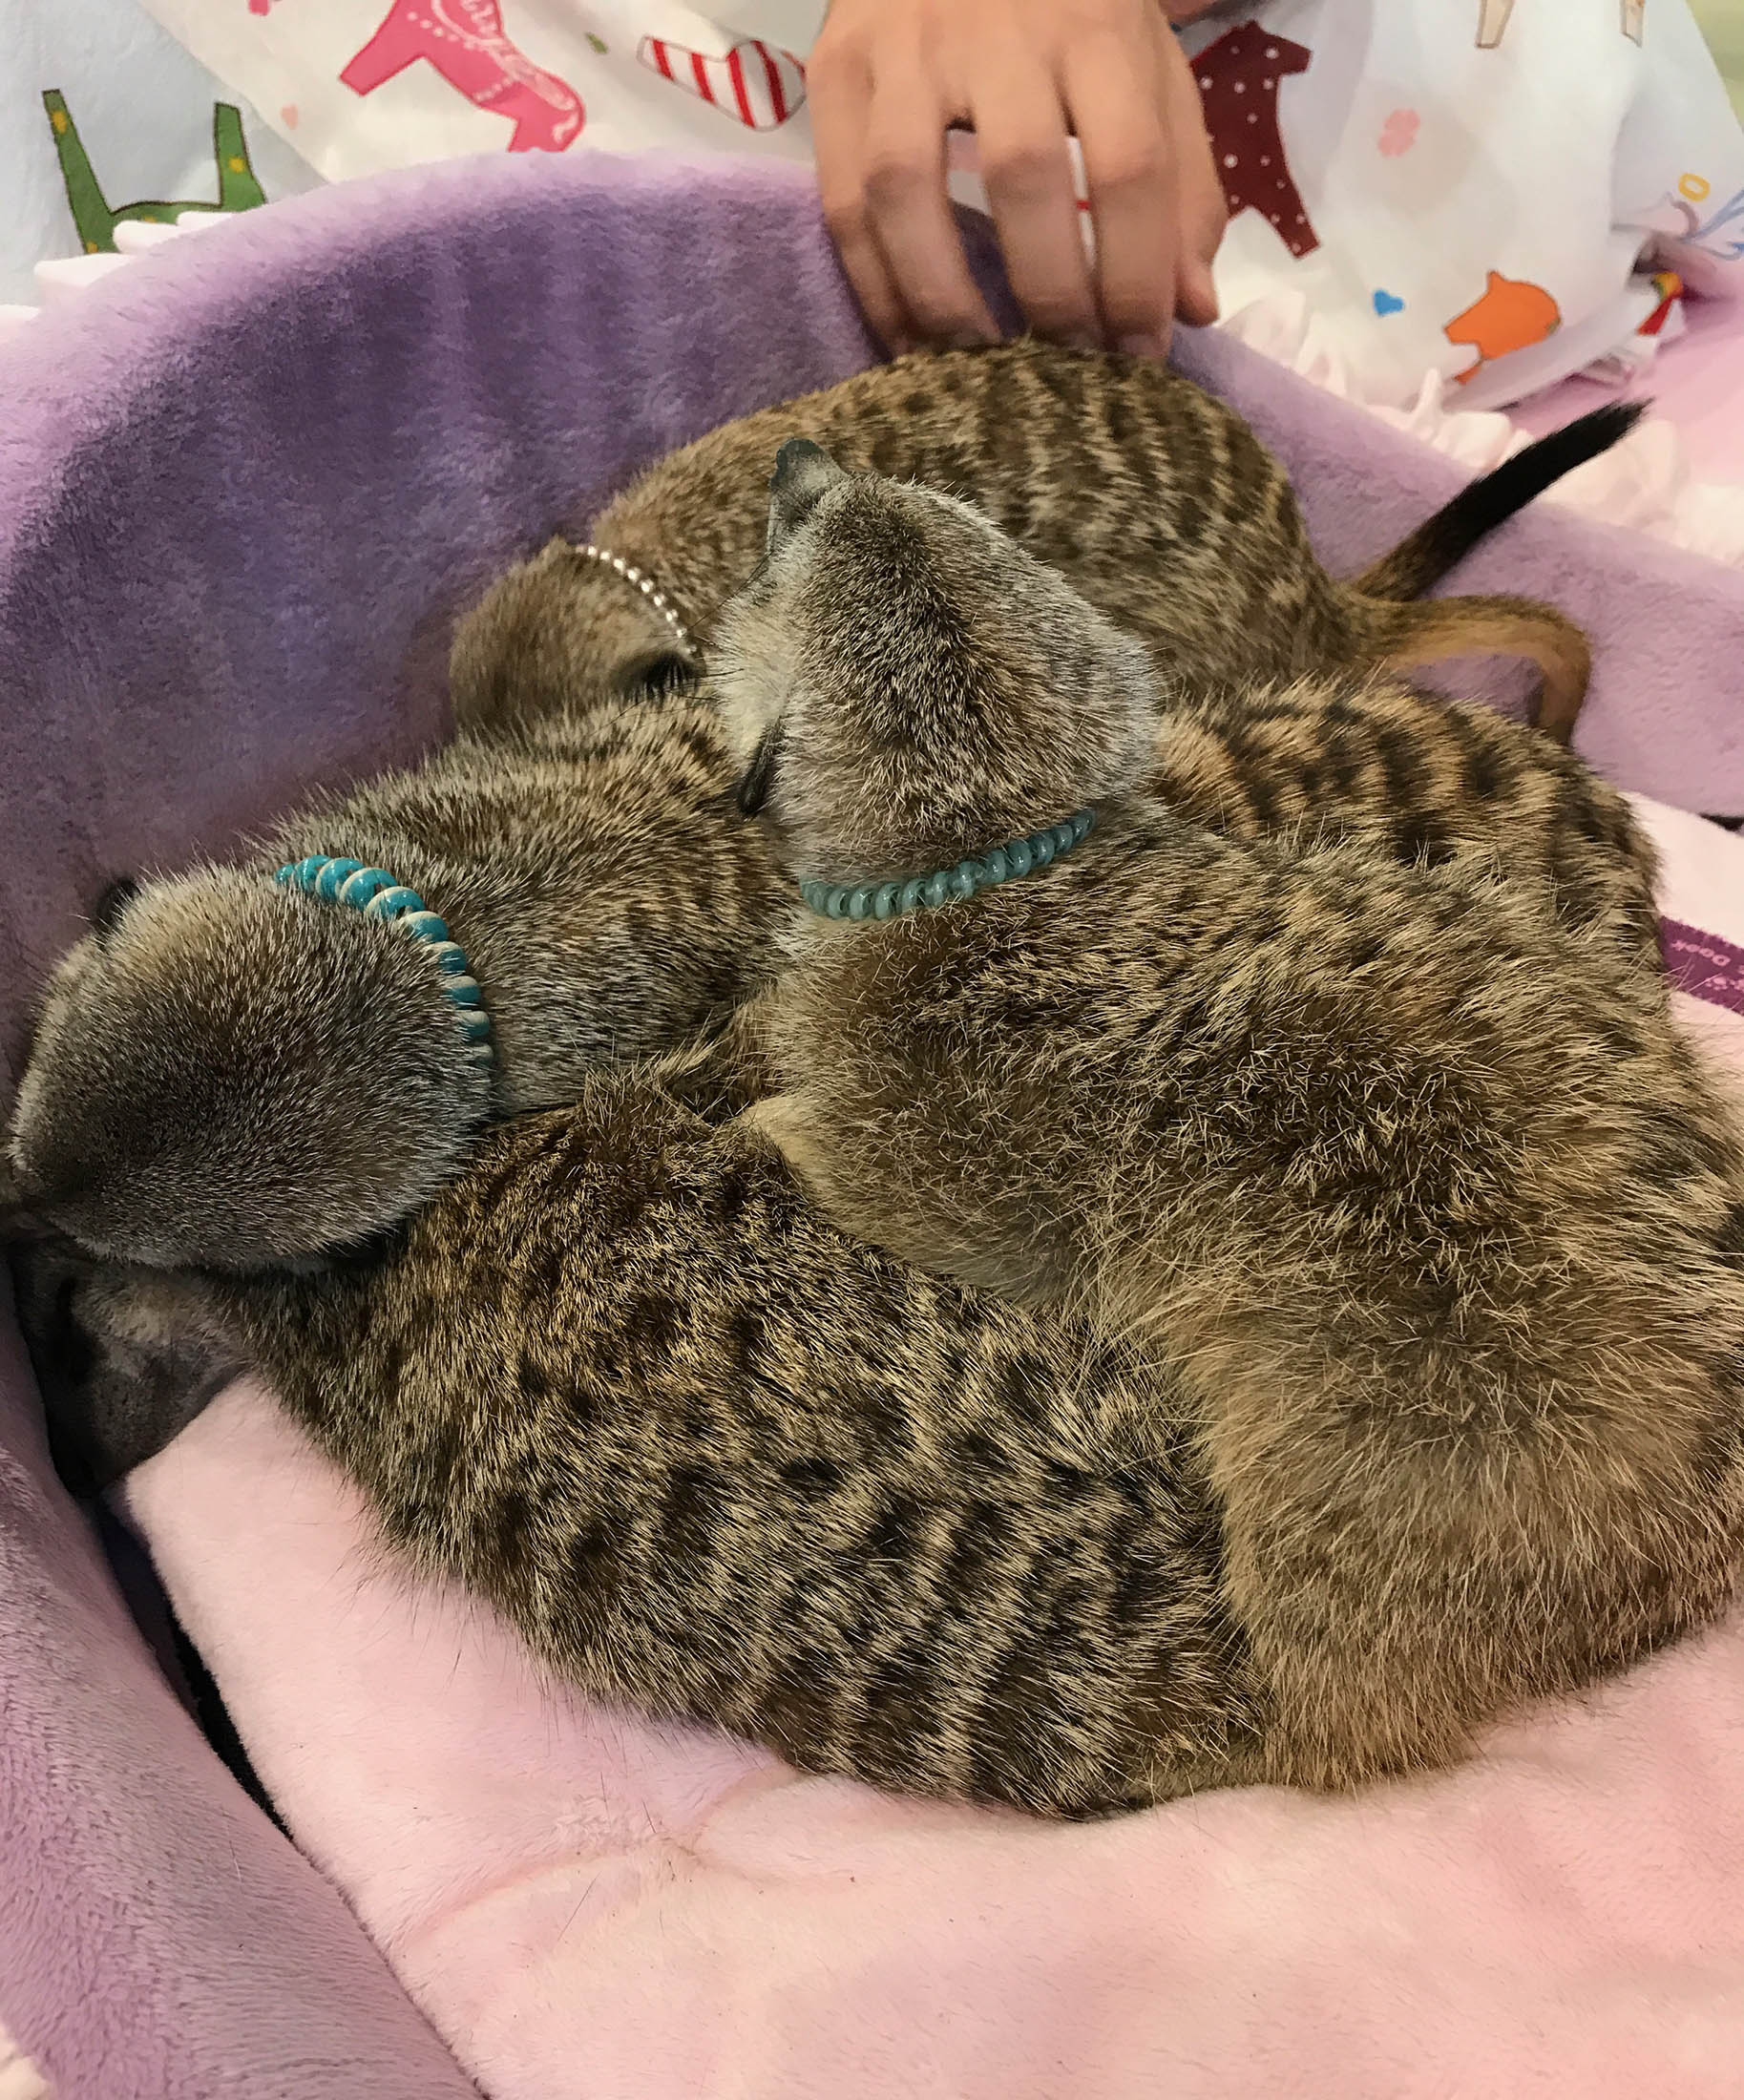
(226, 1074)
(1418, 781)
(709, 1458)
(1439, 1218)
(1155, 500)
(717, 1463)
(1411, 637)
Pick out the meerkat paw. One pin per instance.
(125, 1358)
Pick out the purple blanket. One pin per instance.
(243, 489)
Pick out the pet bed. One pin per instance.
(244, 488)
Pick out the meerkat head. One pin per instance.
(905, 685)
(231, 1074)
(559, 634)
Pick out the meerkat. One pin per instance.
(167, 1114)
(230, 1072)
(1436, 1215)
(1154, 497)
(717, 1464)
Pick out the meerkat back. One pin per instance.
(1436, 1212)
(731, 1467)
(1155, 500)
(1364, 758)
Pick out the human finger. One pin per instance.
(1123, 123)
(1203, 213)
(1022, 128)
(838, 88)
(908, 208)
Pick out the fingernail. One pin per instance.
(1141, 346)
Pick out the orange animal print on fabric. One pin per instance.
(1512, 315)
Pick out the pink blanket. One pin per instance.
(587, 1905)
(1693, 383)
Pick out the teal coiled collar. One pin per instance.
(378, 895)
(888, 900)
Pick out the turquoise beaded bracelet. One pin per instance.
(379, 895)
(889, 900)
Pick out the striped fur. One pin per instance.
(223, 1072)
(1418, 1189)
(1418, 781)
(716, 1462)
(1157, 500)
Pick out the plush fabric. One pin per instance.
(1692, 383)
(243, 486)
(1665, 715)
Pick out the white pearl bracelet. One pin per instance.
(646, 585)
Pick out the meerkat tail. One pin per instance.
(1406, 636)
(1446, 539)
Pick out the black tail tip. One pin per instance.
(1600, 428)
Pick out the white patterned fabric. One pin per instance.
(1493, 190)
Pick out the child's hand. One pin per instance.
(888, 77)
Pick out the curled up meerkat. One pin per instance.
(1419, 1188)
(1153, 497)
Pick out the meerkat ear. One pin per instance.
(755, 782)
(116, 896)
(804, 474)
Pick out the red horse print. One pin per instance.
(464, 40)
(1239, 77)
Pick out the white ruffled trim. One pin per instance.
(1644, 482)
(64, 278)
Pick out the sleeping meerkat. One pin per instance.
(231, 1072)
(1437, 1215)
(167, 1115)
(1155, 499)
(714, 1462)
